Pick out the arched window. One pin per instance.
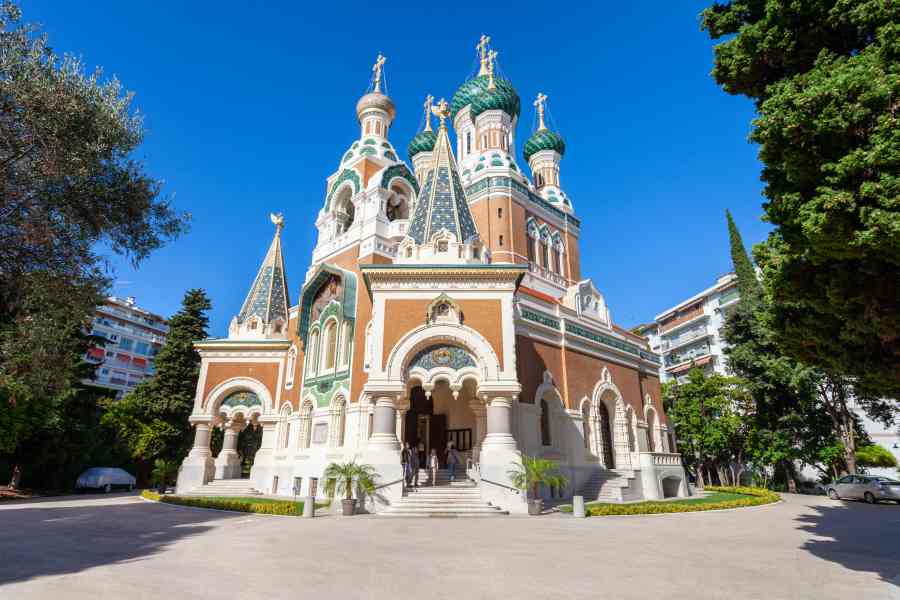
(606, 432)
(531, 243)
(284, 427)
(344, 211)
(291, 366)
(539, 180)
(651, 430)
(468, 143)
(305, 436)
(346, 339)
(312, 353)
(545, 254)
(586, 424)
(545, 423)
(338, 422)
(329, 345)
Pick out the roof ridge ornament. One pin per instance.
(491, 58)
(277, 220)
(441, 111)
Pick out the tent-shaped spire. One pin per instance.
(267, 302)
(442, 202)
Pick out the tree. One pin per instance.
(825, 78)
(68, 186)
(534, 472)
(875, 456)
(712, 416)
(341, 478)
(153, 418)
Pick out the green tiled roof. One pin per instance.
(543, 139)
(474, 92)
(422, 142)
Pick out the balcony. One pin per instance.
(685, 339)
(134, 318)
(397, 228)
(546, 274)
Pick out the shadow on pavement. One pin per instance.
(36, 542)
(859, 536)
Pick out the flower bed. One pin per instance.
(263, 506)
(723, 498)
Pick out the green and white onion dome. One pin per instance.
(475, 93)
(543, 139)
(422, 142)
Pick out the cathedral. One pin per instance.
(444, 304)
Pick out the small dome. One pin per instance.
(376, 100)
(474, 92)
(543, 139)
(423, 142)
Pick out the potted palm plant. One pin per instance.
(341, 479)
(531, 474)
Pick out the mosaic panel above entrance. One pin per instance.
(243, 398)
(442, 355)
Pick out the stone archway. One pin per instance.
(608, 399)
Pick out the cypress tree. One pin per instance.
(748, 284)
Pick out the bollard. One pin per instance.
(578, 507)
(309, 507)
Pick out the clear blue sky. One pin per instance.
(249, 108)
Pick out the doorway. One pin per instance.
(423, 429)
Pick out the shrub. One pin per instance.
(751, 497)
(247, 505)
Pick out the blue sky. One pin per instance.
(249, 107)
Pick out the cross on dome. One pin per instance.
(377, 68)
(539, 105)
(482, 48)
(441, 111)
(429, 100)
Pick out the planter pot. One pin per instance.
(348, 507)
(535, 507)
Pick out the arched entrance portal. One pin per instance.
(442, 417)
(606, 436)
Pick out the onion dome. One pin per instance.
(543, 139)
(378, 101)
(423, 142)
(475, 92)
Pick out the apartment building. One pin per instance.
(133, 337)
(690, 333)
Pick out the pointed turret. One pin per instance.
(264, 314)
(544, 151)
(442, 228)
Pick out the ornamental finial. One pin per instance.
(429, 100)
(376, 68)
(482, 48)
(539, 104)
(491, 57)
(442, 111)
(277, 220)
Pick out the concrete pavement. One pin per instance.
(122, 547)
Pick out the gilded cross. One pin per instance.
(277, 220)
(539, 104)
(429, 100)
(491, 57)
(481, 46)
(377, 67)
(442, 111)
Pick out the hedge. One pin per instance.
(753, 497)
(240, 505)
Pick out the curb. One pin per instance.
(225, 510)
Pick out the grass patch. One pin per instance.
(720, 498)
(265, 506)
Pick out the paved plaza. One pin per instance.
(120, 546)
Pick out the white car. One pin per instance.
(105, 478)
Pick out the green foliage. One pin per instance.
(737, 497)
(534, 472)
(248, 505)
(875, 456)
(164, 471)
(747, 283)
(68, 187)
(152, 420)
(825, 77)
(343, 478)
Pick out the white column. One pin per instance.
(499, 424)
(480, 427)
(384, 427)
(228, 463)
(198, 467)
(263, 462)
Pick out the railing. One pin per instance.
(397, 228)
(684, 338)
(666, 459)
(547, 274)
(500, 485)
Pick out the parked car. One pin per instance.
(865, 487)
(105, 478)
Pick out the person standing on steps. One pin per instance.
(452, 461)
(433, 464)
(405, 461)
(414, 467)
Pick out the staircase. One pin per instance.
(225, 487)
(461, 498)
(609, 485)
